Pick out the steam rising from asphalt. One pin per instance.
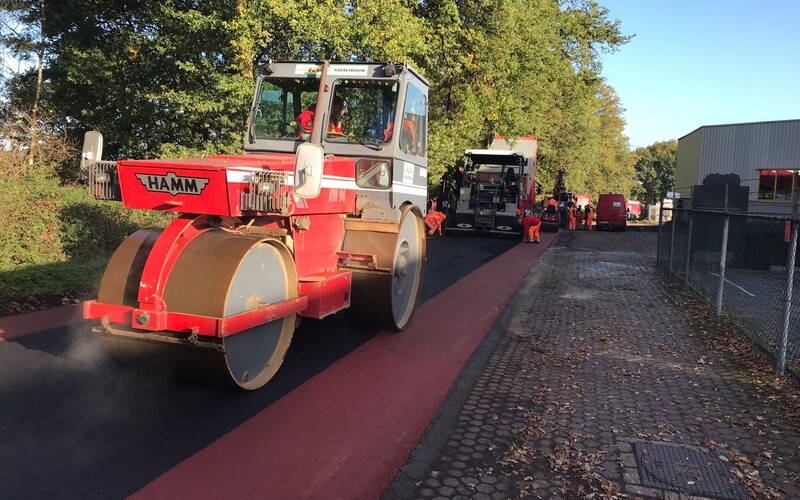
(85, 348)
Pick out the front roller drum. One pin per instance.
(218, 275)
(389, 299)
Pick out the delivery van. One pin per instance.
(611, 212)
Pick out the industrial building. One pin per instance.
(765, 156)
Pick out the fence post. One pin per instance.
(787, 297)
(672, 239)
(723, 255)
(688, 249)
(660, 224)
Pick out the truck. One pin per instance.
(495, 189)
(633, 209)
(310, 219)
(611, 212)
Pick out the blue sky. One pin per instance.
(704, 62)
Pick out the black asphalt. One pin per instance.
(595, 384)
(75, 425)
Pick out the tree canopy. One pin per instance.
(655, 170)
(175, 77)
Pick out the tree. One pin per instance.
(615, 164)
(175, 77)
(22, 33)
(655, 170)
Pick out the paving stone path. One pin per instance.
(592, 385)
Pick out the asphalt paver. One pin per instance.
(593, 384)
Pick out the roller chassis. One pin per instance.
(253, 251)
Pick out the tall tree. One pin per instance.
(655, 169)
(175, 77)
(615, 164)
(23, 34)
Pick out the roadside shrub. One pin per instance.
(53, 152)
(46, 223)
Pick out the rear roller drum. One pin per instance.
(388, 300)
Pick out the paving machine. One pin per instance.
(495, 189)
(553, 219)
(322, 212)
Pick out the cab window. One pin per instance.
(361, 111)
(413, 127)
(285, 109)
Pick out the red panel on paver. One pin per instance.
(346, 432)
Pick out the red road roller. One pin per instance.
(320, 213)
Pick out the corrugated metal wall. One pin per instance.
(743, 149)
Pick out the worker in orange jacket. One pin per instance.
(434, 218)
(573, 222)
(530, 228)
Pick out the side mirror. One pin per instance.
(308, 164)
(538, 189)
(92, 149)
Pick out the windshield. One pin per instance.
(360, 111)
(281, 108)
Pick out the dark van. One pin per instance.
(611, 212)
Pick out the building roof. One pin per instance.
(745, 124)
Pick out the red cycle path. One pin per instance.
(346, 432)
(39, 321)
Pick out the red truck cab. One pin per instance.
(611, 212)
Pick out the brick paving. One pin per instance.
(592, 385)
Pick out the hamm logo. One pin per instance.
(173, 184)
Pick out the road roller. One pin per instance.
(320, 213)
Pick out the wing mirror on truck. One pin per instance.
(308, 164)
(92, 149)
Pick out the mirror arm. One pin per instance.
(316, 128)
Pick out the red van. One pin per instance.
(611, 212)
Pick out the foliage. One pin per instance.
(175, 77)
(47, 223)
(49, 285)
(655, 170)
(55, 148)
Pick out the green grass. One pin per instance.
(56, 241)
(49, 285)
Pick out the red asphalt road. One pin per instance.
(38, 321)
(346, 432)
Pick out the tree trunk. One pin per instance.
(34, 120)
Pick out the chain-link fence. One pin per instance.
(754, 284)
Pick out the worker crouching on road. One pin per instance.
(434, 219)
(530, 228)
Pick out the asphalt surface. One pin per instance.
(592, 384)
(75, 425)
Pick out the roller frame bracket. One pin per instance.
(191, 323)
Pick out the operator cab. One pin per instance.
(366, 111)
(373, 113)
